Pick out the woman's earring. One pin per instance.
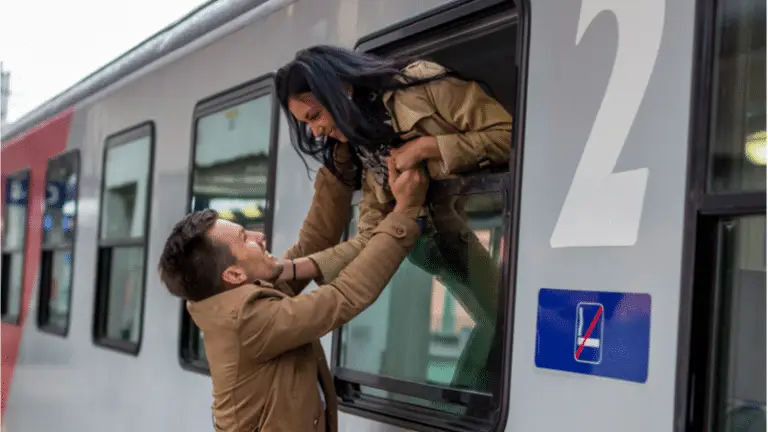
(349, 94)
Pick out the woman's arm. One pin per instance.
(485, 126)
(323, 227)
(327, 264)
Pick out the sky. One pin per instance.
(49, 45)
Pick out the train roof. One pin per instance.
(189, 28)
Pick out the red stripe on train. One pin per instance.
(30, 150)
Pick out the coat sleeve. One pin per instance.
(270, 326)
(332, 261)
(325, 222)
(485, 126)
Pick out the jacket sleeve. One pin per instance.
(325, 222)
(485, 125)
(270, 326)
(332, 261)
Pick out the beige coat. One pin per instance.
(472, 129)
(262, 341)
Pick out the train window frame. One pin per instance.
(705, 243)
(46, 260)
(7, 253)
(439, 26)
(261, 86)
(146, 129)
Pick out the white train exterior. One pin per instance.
(637, 186)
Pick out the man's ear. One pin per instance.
(234, 275)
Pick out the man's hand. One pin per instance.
(409, 188)
(414, 151)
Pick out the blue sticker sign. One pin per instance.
(55, 194)
(605, 334)
(16, 191)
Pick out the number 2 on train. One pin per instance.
(603, 208)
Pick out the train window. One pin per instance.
(233, 153)
(58, 240)
(14, 228)
(738, 126)
(741, 365)
(445, 302)
(123, 229)
(428, 353)
(727, 289)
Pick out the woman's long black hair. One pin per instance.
(324, 70)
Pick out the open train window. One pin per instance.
(724, 291)
(433, 351)
(14, 226)
(234, 149)
(122, 240)
(58, 241)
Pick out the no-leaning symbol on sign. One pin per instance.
(594, 333)
(587, 348)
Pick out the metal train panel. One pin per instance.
(603, 194)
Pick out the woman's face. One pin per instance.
(309, 110)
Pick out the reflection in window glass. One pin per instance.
(15, 203)
(435, 322)
(13, 275)
(60, 201)
(738, 135)
(58, 226)
(743, 277)
(15, 209)
(231, 174)
(60, 290)
(126, 181)
(232, 162)
(125, 284)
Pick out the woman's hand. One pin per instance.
(414, 151)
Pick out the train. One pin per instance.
(629, 228)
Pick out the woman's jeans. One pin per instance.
(450, 250)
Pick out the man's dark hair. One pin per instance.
(192, 262)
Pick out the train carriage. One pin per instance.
(629, 227)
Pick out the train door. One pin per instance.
(721, 359)
(598, 301)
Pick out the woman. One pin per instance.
(352, 111)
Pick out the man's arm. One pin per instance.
(272, 326)
(323, 226)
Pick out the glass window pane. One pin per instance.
(232, 162)
(126, 179)
(61, 289)
(738, 132)
(742, 389)
(436, 320)
(125, 294)
(13, 267)
(60, 200)
(15, 208)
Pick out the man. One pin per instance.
(261, 340)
